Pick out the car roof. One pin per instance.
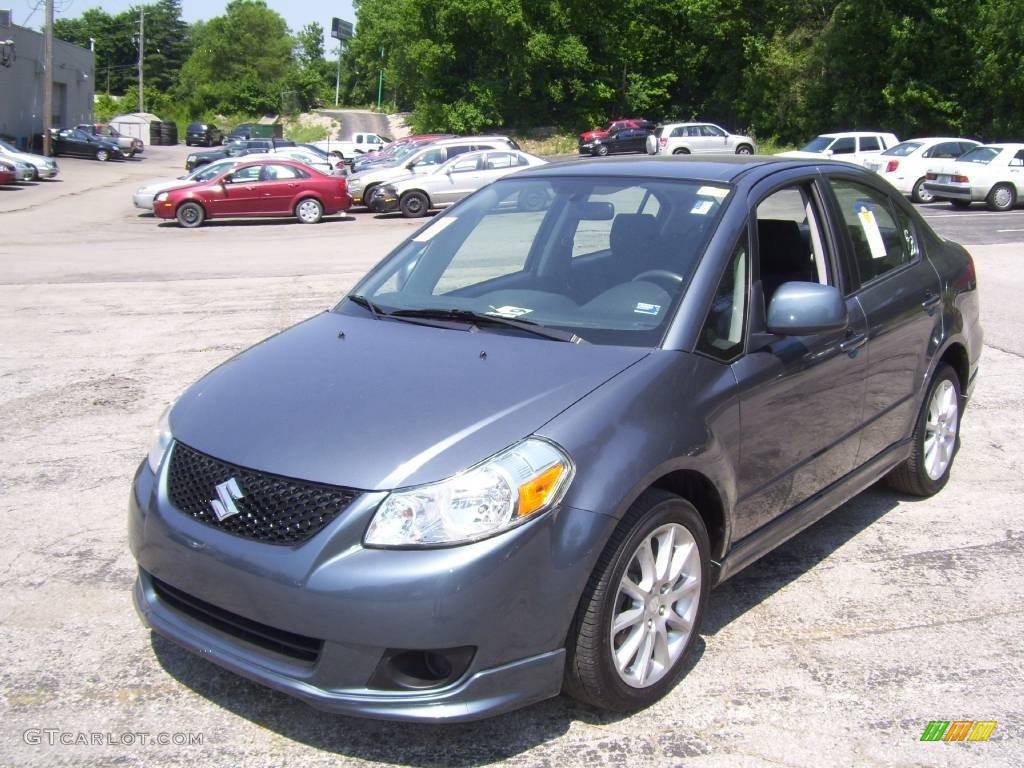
(1004, 145)
(849, 134)
(723, 168)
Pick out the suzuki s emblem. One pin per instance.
(227, 494)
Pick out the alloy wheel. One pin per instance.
(941, 430)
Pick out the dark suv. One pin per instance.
(206, 134)
(235, 149)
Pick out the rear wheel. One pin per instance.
(1002, 197)
(935, 440)
(639, 615)
(309, 211)
(919, 194)
(681, 151)
(414, 205)
(190, 215)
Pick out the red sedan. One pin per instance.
(269, 187)
(600, 133)
(8, 174)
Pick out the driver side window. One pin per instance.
(246, 175)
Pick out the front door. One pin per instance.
(239, 193)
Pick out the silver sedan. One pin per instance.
(40, 167)
(143, 197)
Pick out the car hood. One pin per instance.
(161, 185)
(390, 405)
(26, 157)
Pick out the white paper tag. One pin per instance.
(511, 312)
(871, 231)
(643, 308)
(701, 207)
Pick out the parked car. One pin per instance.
(421, 159)
(905, 165)
(130, 146)
(8, 173)
(993, 173)
(851, 146)
(271, 187)
(329, 166)
(359, 143)
(77, 143)
(144, 195)
(618, 140)
(518, 455)
(396, 150)
(22, 171)
(234, 149)
(42, 167)
(449, 182)
(256, 131)
(600, 133)
(697, 139)
(206, 134)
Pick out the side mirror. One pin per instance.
(829, 153)
(226, 179)
(411, 164)
(803, 309)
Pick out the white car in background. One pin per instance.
(993, 173)
(143, 197)
(446, 184)
(42, 167)
(851, 146)
(905, 165)
(305, 156)
(697, 139)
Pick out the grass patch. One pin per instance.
(305, 134)
(772, 146)
(559, 144)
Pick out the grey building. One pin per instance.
(21, 83)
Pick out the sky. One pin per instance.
(297, 13)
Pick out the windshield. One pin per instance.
(904, 149)
(8, 148)
(980, 155)
(820, 144)
(605, 259)
(211, 171)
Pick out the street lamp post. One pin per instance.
(380, 78)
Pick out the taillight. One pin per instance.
(960, 179)
(892, 165)
(931, 176)
(663, 141)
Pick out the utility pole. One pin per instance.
(48, 77)
(337, 80)
(380, 79)
(142, 24)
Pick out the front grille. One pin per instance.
(271, 509)
(289, 644)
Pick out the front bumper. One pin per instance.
(143, 200)
(510, 598)
(383, 201)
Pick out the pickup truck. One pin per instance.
(358, 144)
(129, 146)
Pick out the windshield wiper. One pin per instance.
(481, 318)
(362, 301)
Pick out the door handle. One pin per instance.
(930, 302)
(853, 342)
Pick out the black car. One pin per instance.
(617, 140)
(77, 143)
(235, 149)
(205, 134)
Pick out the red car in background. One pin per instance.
(268, 187)
(601, 133)
(8, 173)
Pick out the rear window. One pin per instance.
(981, 155)
(904, 149)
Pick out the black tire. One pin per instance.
(368, 194)
(414, 204)
(309, 210)
(592, 675)
(188, 142)
(913, 476)
(102, 155)
(190, 215)
(919, 194)
(1002, 197)
(681, 151)
(744, 149)
(602, 150)
(962, 205)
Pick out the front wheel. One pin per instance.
(602, 150)
(919, 194)
(414, 205)
(102, 155)
(640, 612)
(935, 440)
(309, 211)
(744, 149)
(190, 215)
(1002, 197)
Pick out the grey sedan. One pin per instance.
(517, 457)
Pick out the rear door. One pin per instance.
(899, 291)
(278, 187)
(459, 179)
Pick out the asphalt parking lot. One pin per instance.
(836, 649)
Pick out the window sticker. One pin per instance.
(509, 312)
(870, 226)
(643, 308)
(716, 192)
(702, 207)
(436, 228)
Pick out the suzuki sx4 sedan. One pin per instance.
(517, 457)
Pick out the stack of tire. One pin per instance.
(163, 133)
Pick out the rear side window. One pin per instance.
(882, 237)
(869, 144)
(844, 146)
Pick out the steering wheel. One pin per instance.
(661, 277)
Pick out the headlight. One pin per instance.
(161, 440)
(190, 159)
(161, 197)
(506, 490)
